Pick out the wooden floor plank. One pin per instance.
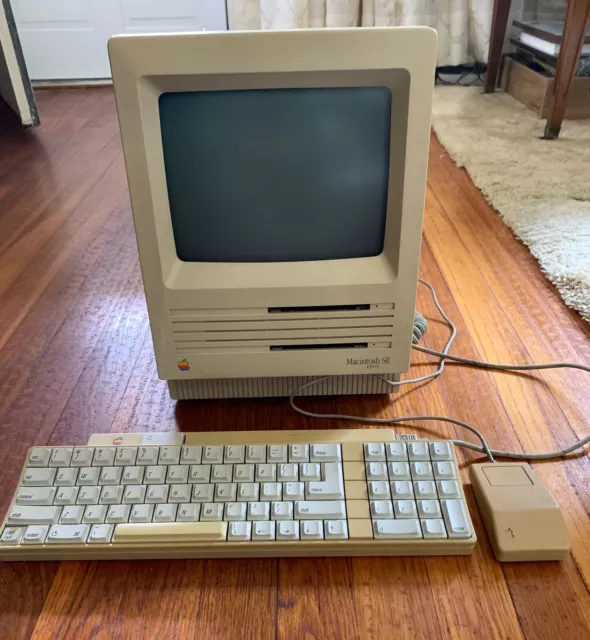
(76, 357)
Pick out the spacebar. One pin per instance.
(171, 532)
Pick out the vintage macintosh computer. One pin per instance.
(277, 181)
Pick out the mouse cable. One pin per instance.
(419, 330)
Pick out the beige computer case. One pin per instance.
(210, 323)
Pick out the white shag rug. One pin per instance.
(541, 188)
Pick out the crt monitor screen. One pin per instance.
(277, 175)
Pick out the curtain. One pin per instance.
(463, 26)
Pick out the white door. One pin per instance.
(67, 39)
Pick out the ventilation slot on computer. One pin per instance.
(283, 329)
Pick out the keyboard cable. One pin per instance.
(420, 325)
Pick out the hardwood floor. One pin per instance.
(76, 358)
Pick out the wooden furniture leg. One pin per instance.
(499, 23)
(571, 46)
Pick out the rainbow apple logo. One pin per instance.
(183, 364)
(118, 441)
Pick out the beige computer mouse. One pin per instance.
(523, 521)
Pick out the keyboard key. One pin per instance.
(277, 453)
(12, 535)
(118, 513)
(418, 451)
(444, 471)
(212, 512)
(428, 509)
(169, 455)
(179, 493)
(111, 495)
(191, 455)
(110, 475)
(103, 457)
(266, 472)
(88, 495)
(134, 494)
(271, 491)
(155, 475)
(170, 532)
(35, 495)
(401, 489)
(71, 515)
(376, 471)
(456, 519)
(141, 513)
(325, 453)
(67, 534)
(256, 453)
(288, 472)
(399, 471)
(60, 457)
(425, 489)
(235, 454)
(213, 455)
(67, 495)
(448, 489)
(378, 490)
(248, 492)
(235, 511)
(312, 530)
(35, 535)
(165, 512)
(374, 452)
(66, 477)
(396, 452)
(222, 473)
(177, 474)
(421, 470)
(404, 508)
(320, 510)
(440, 451)
(258, 510)
(298, 453)
(21, 515)
(239, 532)
(263, 531)
(88, 476)
(281, 511)
(200, 473)
(188, 512)
(244, 473)
(310, 472)
(332, 488)
(225, 492)
(39, 457)
(148, 456)
(101, 533)
(95, 514)
(132, 475)
(396, 529)
(125, 456)
(202, 493)
(293, 491)
(433, 529)
(39, 477)
(82, 457)
(381, 509)
(287, 530)
(159, 493)
(335, 530)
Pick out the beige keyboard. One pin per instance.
(239, 494)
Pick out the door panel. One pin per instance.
(67, 39)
